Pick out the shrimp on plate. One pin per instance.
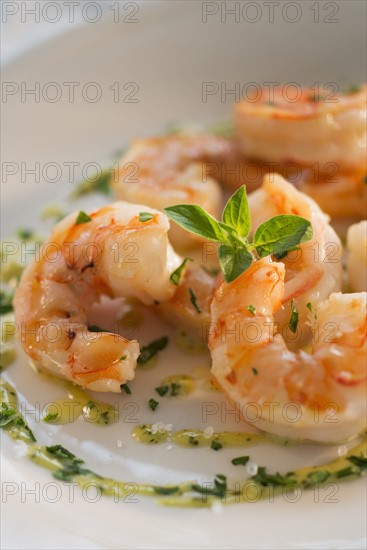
(313, 271)
(295, 125)
(111, 252)
(175, 169)
(342, 193)
(357, 256)
(319, 396)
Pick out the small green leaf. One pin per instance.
(293, 322)
(145, 216)
(251, 309)
(193, 300)
(234, 260)
(215, 446)
(309, 306)
(236, 213)
(281, 234)
(195, 219)
(175, 277)
(82, 218)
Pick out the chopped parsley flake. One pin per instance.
(153, 404)
(50, 417)
(293, 322)
(359, 461)
(177, 274)
(145, 216)
(265, 479)
(193, 300)
(215, 445)
(240, 460)
(7, 414)
(24, 234)
(60, 452)
(218, 490)
(314, 478)
(162, 390)
(82, 218)
(125, 388)
(6, 302)
(251, 309)
(149, 351)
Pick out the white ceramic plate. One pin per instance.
(165, 60)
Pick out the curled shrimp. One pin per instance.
(319, 396)
(357, 256)
(112, 252)
(342, 194)
(313, 271)
(284, 125)
(174, 169)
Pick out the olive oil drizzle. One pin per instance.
(77, 403)
(155, 434)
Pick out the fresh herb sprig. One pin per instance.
(277, 236)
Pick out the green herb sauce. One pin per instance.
(66, 467)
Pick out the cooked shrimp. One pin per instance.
(174, 169)
(114, 253)
(281, 126)
(357, 257)
(189, 307)
(319, 396)
(341, 195)
(313, 271)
